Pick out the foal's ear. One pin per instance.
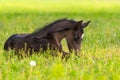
(83, 25)
(77, 25)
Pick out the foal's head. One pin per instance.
(75, 37)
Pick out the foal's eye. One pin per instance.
(76, 37)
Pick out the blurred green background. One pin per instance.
(100, 53)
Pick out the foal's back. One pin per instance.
(59, 25)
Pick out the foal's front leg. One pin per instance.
(59, 47)
(56, 41)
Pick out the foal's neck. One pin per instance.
(62, 34)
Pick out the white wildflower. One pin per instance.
(32, 63)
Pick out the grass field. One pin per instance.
(100, 54)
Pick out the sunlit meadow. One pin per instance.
(100, 53)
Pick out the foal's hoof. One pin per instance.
(65, 55)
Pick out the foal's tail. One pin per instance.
(9, 42)
(6, 45)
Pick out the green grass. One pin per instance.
(100, 54)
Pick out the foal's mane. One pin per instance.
(49, 28)
(50, 25)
